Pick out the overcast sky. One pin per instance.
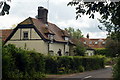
(59, 13)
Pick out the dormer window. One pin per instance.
(51, 37)
(90, 42)
(84, 42)
(96, 42)
(66, 38)
(103, 43)
(25, 35)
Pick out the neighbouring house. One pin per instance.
(40, 35)
(93, 44)
(4, 33)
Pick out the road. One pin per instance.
(104, 74)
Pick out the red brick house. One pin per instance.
(93, 44)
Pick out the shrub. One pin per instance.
(19, 63)
(80, 49)
(8, 62)
(116, 70)
(71, 64)
(51, 64)
(81, 69)
(102, 51)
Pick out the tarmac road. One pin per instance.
(101, 74)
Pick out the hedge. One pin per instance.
(19, 63)
(72, 64)
(116, 70)
(102, 51)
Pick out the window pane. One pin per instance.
(90, 42)
(25, 35)
(96, 42)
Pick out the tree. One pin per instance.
(80, 49)
(5, 7)
(76, 34)
(110, 18)
(113, 48)
(110, 12)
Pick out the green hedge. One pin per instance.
(116, 70)
(102, 51)
(19, 63)
(72, 64)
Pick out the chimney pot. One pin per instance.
(42, 14)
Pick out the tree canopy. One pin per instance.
(109, 11)
(76, 34)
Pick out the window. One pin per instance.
(84, 42)
(51, 38)
(66, 38)
(96, 42)
(51, 52)
(103, 43)
(25, 35)
(90, 42)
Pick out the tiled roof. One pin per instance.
(46, 28)
(4, 33)
(49, 28)
(94, 43)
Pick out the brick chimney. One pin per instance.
(42, 14)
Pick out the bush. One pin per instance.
(80, 49)
(71, 64)
(102, 51)
(81, 69)
(116, 70)
(51, 64)
(19, 63)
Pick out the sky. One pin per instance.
(58, 13)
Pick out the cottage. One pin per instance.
(40, 35)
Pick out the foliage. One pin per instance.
(116, 70)
(110, 61)
(5, 7)
(19, 63)
(113, 49)
(110, 14)
(50, 64)
(71, 64)
(80, 49)
(76, 34)
(104, 8)
(101, 51)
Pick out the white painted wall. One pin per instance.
(90, 52)
(55, 47)
(37, 45)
